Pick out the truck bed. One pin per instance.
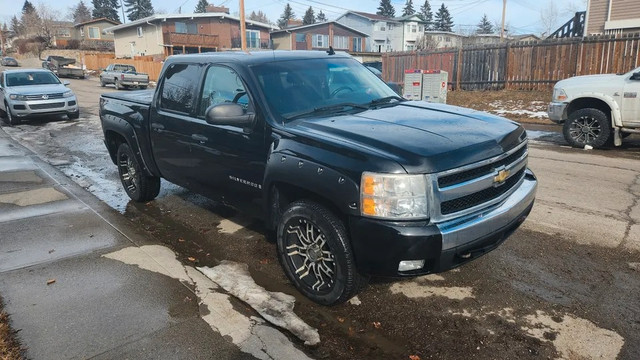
(141, 97)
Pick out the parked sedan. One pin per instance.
(34, 92)
(8, 61)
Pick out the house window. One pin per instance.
(253, 39)
(63, 32)
(94, 32)
(186, 28)
(320, 41)
(390, 26)
(439, 38)
(382, 28)
(139, 31)
(447, 39)
(413, 28)
(301, 38)
(81, 32)
(341, 42)
(409, 47)
(357, 44)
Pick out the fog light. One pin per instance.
(408, 265)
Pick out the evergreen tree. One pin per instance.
(408, 8)
(286, 16)
(28, 8)
(309, 17)
(484, 27)
(321, 17)
(443, 21)
(16, 27)
(259, 17)
(106, 9)
(201, 7)
(138, 9)
(426, 15)
(386, 9)
(81, 13)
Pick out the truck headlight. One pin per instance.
(67, 94)
(393, 196)
(559, 95)
(18, 97)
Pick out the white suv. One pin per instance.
(597, 109)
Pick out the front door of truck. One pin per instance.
(235, 158)
(172, 122)
(631, 101)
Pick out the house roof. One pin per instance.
(97, 20)
(522, 36)
(412, 17)
(165, 17)
(438, 32)
(319, 24)
(370, 16)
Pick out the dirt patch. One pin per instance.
(520, 106)
(10, 348)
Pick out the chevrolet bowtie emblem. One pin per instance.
(501, 177)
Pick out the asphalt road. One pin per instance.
(565, 285)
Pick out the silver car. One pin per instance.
(35, 92)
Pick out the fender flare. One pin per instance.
(616, 115)
(111, 123)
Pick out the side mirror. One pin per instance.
(229, 114)
(66, 83)
(635, 76)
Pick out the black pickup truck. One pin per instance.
(354, 180)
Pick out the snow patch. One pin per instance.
(275, 307)
(528, 113)
(415, 289)
(575, 338)
(355, 301)
(227, 226)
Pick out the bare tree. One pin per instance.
(47, 25)
(549, 18)
(426, 42)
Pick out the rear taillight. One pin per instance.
(121, 76)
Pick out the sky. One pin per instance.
(522, 16)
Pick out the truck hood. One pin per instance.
(588, 80)
(37, 89)
(421, 137)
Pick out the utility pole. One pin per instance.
(504, 11)
(243, 28)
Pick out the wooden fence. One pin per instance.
(527, 66)
(145, 64)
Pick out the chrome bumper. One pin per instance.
(461, 231)
(557, 112)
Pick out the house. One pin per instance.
(481, 39)
(412, 29)
(445, 39)
(87, 35)
(524, 38)
(385, 34)
(612, 17)
(170, 34)
(319, 36)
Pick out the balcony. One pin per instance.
(177, 39)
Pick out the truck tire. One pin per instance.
(587, 127)
(314, 250)
(102, 83)
(117, 84)
(137, 185)
(10, 119)
(74, 115)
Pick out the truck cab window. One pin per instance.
(222, 85)
(179, 87)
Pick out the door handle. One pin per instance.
(201, 138)
(157, 127)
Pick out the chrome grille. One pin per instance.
(462, 191)
(48, 96)
(46, 106)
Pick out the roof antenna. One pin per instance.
(330, 51)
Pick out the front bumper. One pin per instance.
(23, 109)
(557, 112)
(379, 246)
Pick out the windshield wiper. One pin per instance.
(329, 109)
(386, 100)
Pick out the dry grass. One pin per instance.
(10, 349)
(510, 100)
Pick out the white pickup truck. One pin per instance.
(597, 110)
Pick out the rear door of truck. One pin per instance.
(172, 123)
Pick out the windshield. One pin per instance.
(31, 78)
(298, 87)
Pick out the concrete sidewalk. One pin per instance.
(51, 229)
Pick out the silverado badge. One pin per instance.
(501, 177)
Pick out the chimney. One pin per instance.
(217, 9)
(293, 22)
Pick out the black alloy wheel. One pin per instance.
(138, 186)
(587, 127)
